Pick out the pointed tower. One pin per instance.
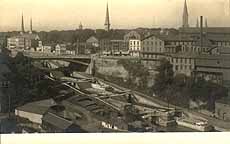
(107, 21)
(185, 16)
(31, 26)
(22, 26)
(197, 23)
(80, 26)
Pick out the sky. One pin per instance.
(67, 14)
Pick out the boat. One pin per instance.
(202, 126)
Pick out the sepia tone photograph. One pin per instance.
(124, 66)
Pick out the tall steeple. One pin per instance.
(107, 21)
(31, 26)
(185, 16)
(22, 25)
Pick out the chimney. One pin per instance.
(201, 32)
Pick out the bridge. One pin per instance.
(80, 59)
(40, 55)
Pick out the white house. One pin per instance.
(135, 47)
(60, 49)
(34, 111)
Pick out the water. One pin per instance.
(8, 126)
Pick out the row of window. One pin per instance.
(134, 42)
(150, 56)
(4, 84)
(153, 49)
(151, 43)
(182, 67)
(223, 43)
(182, 60)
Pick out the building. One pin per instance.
(60, 49)
(92, 44)
(133, 41)
(105, 45)
(182, 63)
(34, 111)
(134, 35)
(23, 40)
(107, 20)
(222, 109)
(117, 46)
(53, 123)
(80, 47)
(92, 114)
(157, 46)
(135, 47)
(214, 68)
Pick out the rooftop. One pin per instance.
(39, 107)
(57, 121)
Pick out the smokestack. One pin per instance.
(201, 32)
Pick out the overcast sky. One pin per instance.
(67, 14)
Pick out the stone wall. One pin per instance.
(110, 67)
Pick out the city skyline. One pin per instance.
(66, 15)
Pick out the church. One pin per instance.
(24, 40)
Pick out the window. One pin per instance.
(176, 67)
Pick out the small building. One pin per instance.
(105, 45)
(117, 46)
(93, 41)
(53, 123)
(60, 49)
(34, 111)
(222, 109)
(23, 41)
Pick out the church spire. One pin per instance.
(22, 25)
(185, 16)
(31, 26)
(107, 21)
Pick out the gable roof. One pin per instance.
(57, 121)
(38, 107)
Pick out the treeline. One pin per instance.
(177, 89)
(27, 81)
(180, 89)
(137, 76)
(73, 36)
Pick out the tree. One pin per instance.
(137, 73)
(164, 78)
